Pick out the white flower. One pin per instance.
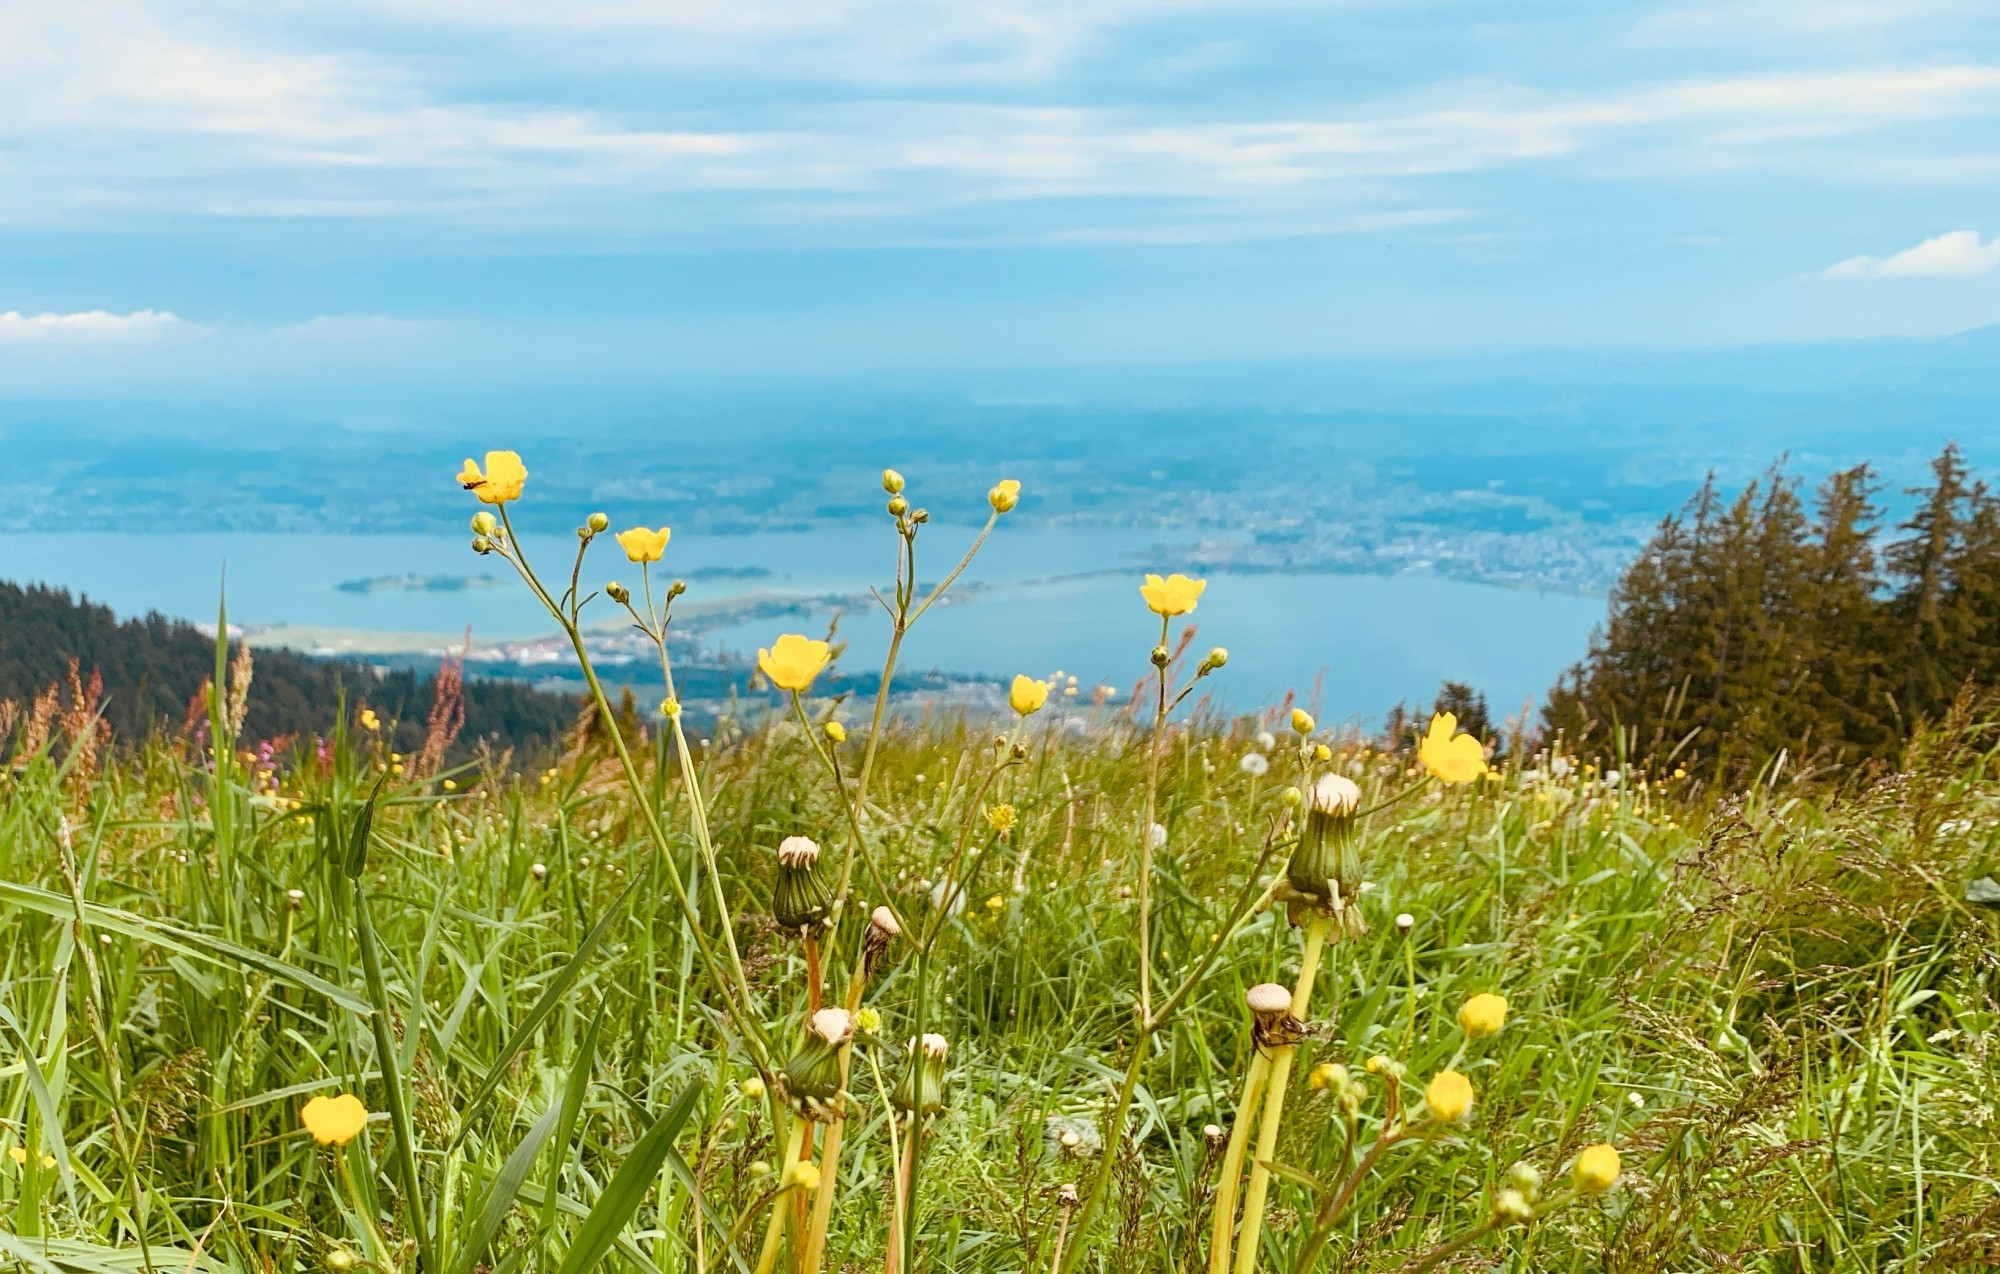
(1266, 740)
(833, 1025)
(1156, 836)
(1612, 778)
(1559, 766)
(1255, 764)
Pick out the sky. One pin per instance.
(235, 193)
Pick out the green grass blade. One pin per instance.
(505, 1188)
(627, 1188)
(186, 941)
(572, 1105)
(551, 996)
(392, 1082)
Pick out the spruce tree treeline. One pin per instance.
(152, 667)
(1770, 622)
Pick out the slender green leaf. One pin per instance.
(506, 1187)
(627, 1188)
(392, 1081)
(551, 996)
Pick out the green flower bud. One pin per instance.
(1326, 863)
(598, 523)
(921, 1089)
(812, 1077)
(801, 899)
(892, 482)
(484, 523)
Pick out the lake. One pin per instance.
(1041, 598)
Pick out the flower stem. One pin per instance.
(1274, 1103)
(1223, 1228)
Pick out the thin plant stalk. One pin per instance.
(1222, 1229)
(1259, 1187)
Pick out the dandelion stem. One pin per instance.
(1274, 1103)
(1223, 1226)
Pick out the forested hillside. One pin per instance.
(1772, 622)
(151, 667)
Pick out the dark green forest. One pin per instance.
(150, 668)
(1776, 621)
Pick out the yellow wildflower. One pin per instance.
(20, 1156)
(643, 545)
(1596, 1169)
(836, 732)
(803, 1175)
(1004, 496)
(1174, 595)
(1483, 1015)
(793, 661)
(1028, 695)
(501, 481)
(1001, 818)
(1302, 721)
(867, 1020)
(369, 721)
(1452, 757)
(1449, 1095)
(334, 1121)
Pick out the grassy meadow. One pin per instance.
(595, 1019)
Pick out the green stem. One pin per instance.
(1259, 1188)
(1222, 1229)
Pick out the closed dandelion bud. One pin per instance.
(598, 523)
(801, 900)
(812, 1077)
(618, 592)
(921, 1089)
(883, 930)
(1526, 1178)
(1511, 1207)
(1596, 1169)
(892, 482)
(1325, 866)
(483, 523)
(1272, 1024)
(1302, 721)
(1482, 1015)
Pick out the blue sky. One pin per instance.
(219, 192)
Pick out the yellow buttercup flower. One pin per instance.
(1004, 496)
(369, 721)
(20, 1156)
(1302, 721)
(1596, 1169)
(793, 661)
(1452, 757)
(334, 1121)
(1174, 595)
(501, 481)
(1028, 695)
(803, 1175)
(1483, 1015)
(836, 732)
(643, 545)
(1449, 1095)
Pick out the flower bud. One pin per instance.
(1511, 1207)
(1324, 870)
(898, 506)
(1482, 1015)
(835, 732)
(598, 523)
(1596, 1169)
(1405, 922)
(1526, 1178)
(802, 1176)
(1161, 655)
(1302, 721)
(1004, 496)
(1449, 1096)
(481, 545)
(618, 592)
(670, 709)
(801, 899)
(1272, 1024)
(752, 1088)
(921, 1089)
(812, 1077)
(892, 482)
(1216, 657)
(484, 523)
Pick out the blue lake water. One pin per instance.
(1044, 598)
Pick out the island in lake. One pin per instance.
(417, 584)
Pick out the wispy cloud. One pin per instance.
(1959, 254)
(90, 325)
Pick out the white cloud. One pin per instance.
(90, 325)
(1959, 254)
